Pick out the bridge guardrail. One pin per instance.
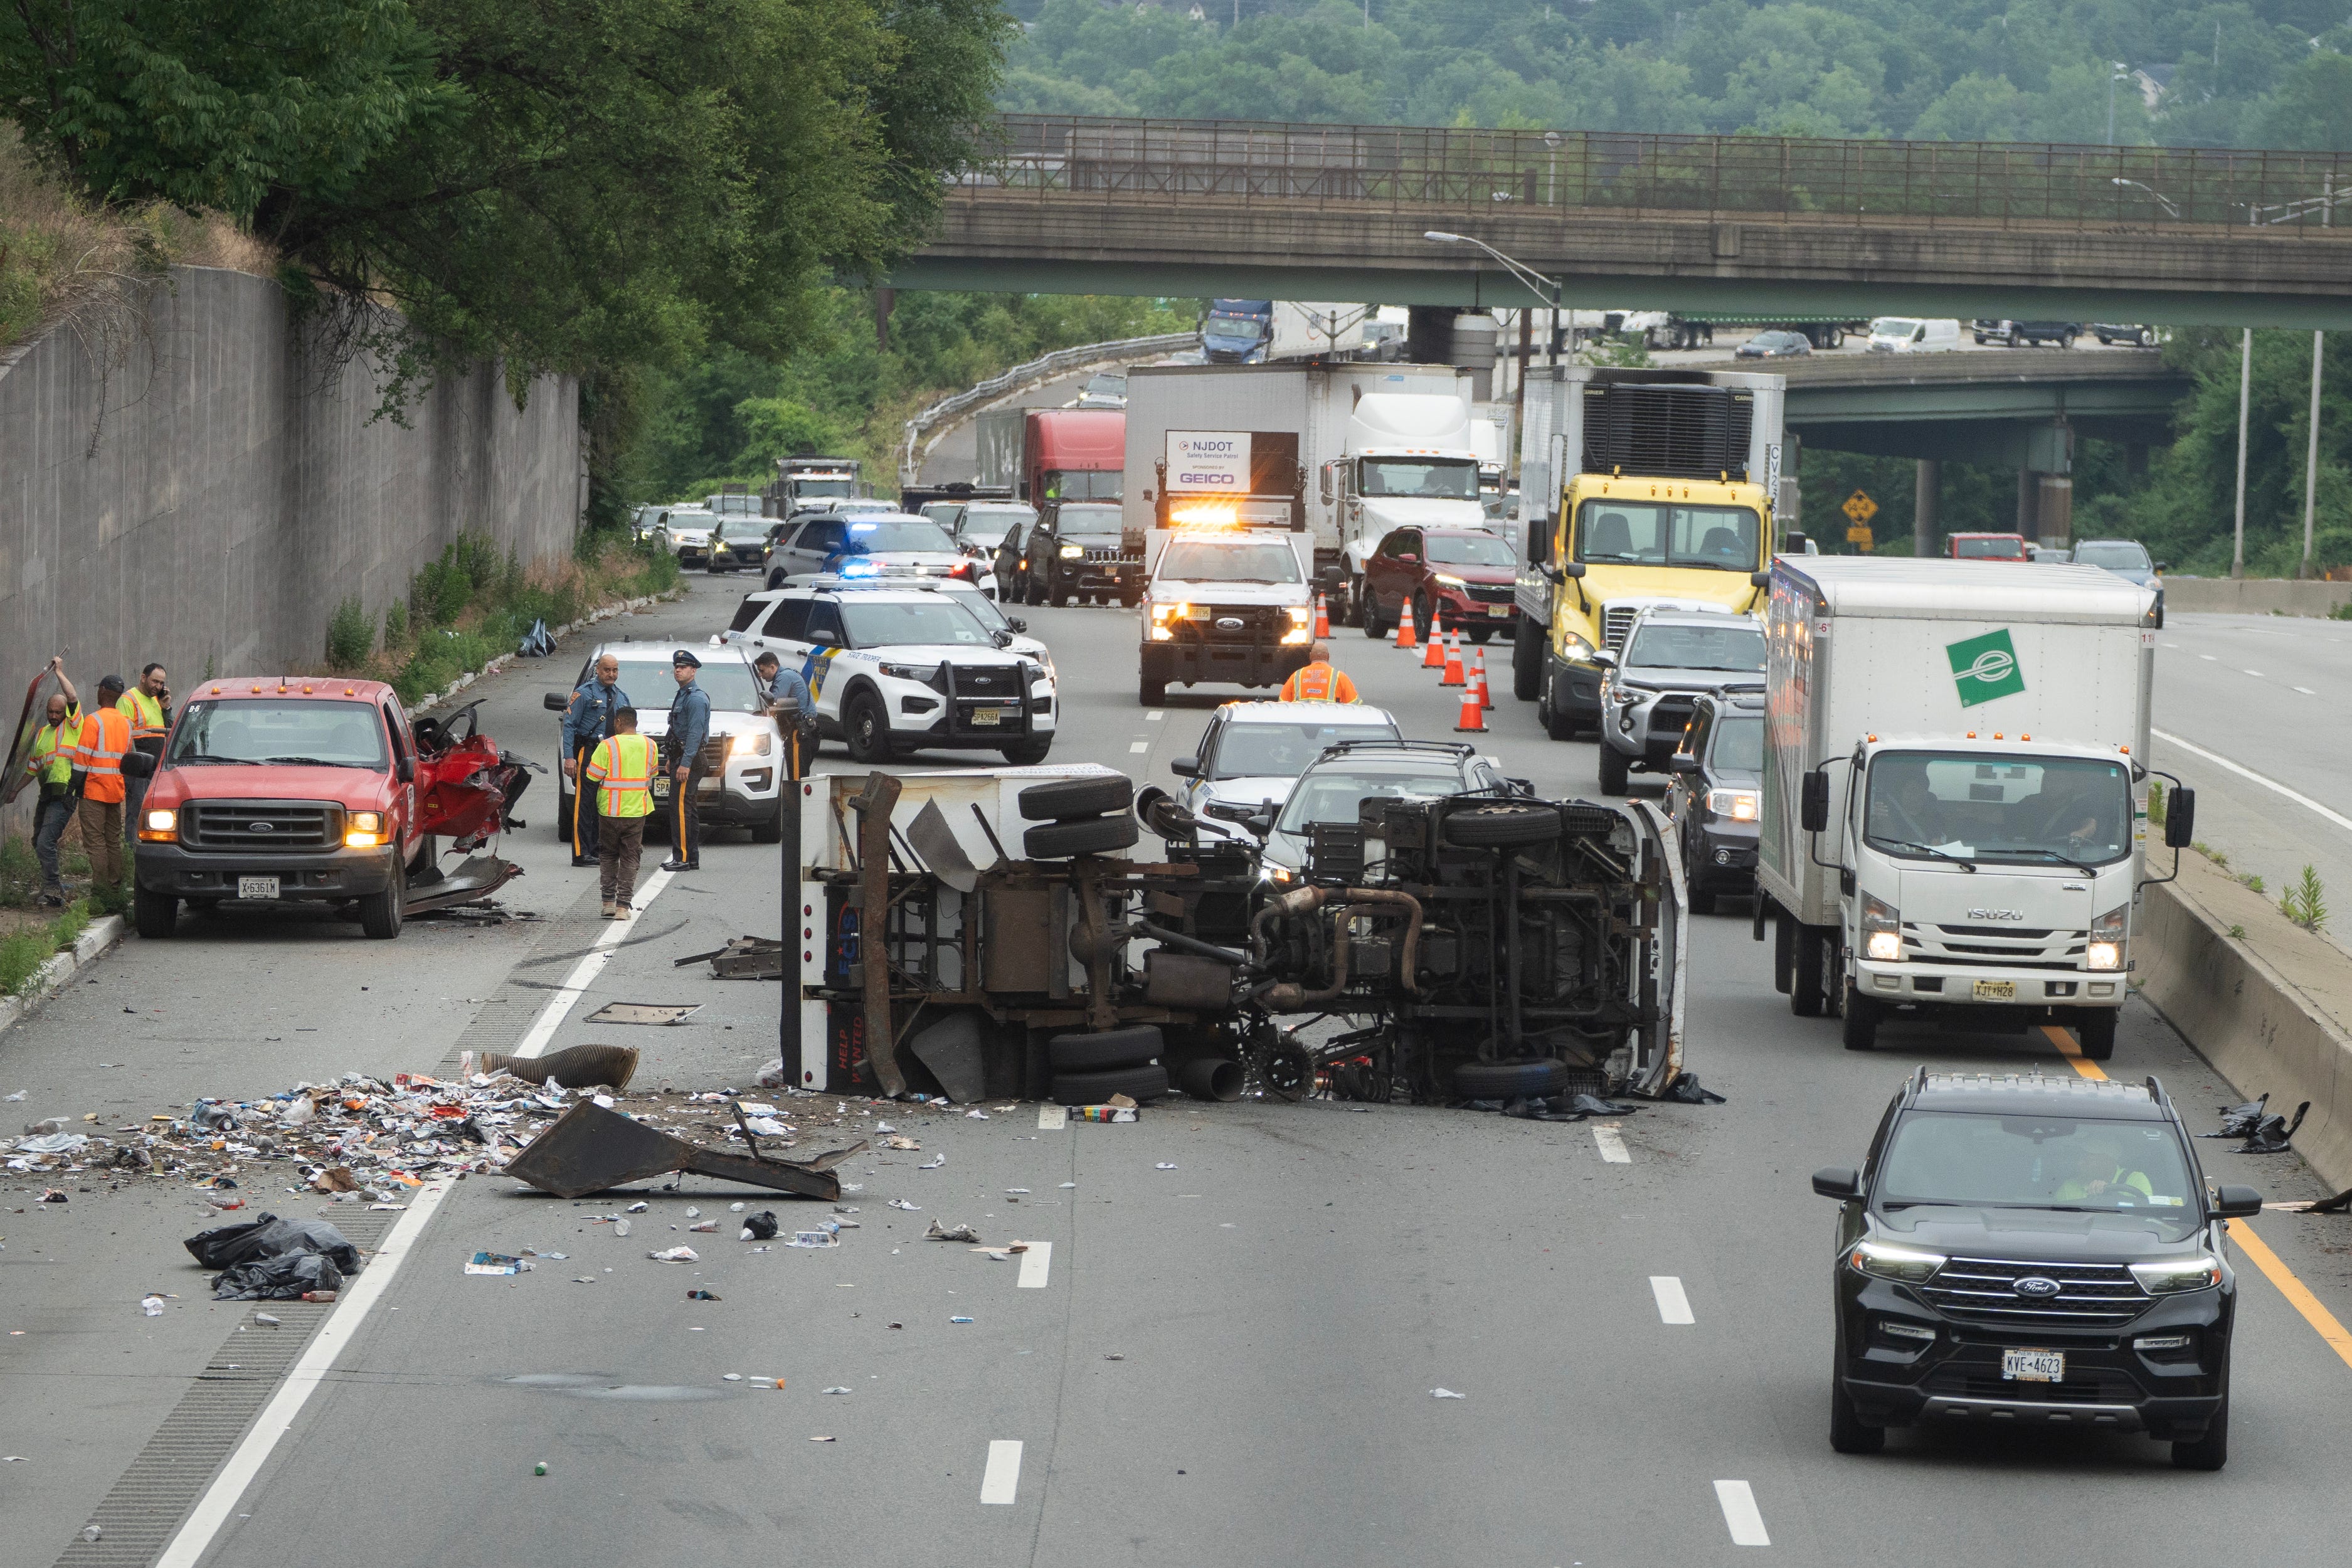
(1043, 368)
(1791, 179)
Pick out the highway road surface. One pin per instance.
(1227, 1357)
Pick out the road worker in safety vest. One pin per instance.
(621, 769)
(1317, 680)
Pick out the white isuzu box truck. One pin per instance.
(1954, 783)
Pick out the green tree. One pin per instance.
(2312, 105)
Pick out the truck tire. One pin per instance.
(1058, 597)
(1784, 952)
(1502, 826)
(2209, 1452)
(1861, 1021)
(1069, 800)
(865, 725)
(1556, 724)
(1510, 1080)
(1613, 770)
(1149, 693)
(1107, 1050)
(1805, 976)
(156, 915)
(772, 831)
(1849, 1433)
(380, 913)
(1527, 658)
(1094, 835)
(2097, 1029)
(1139, 1084)
(1480, 634)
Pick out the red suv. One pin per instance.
(1987, 547)
(1466, 571)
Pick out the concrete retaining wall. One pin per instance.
(2254, 596)
(2268, 1009)
(232, 500)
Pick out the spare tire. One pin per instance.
(1139, 1084)
(1505, 825)
(1137, 1045)
(1094, 835)
(1066, 800)
(1510, 1080)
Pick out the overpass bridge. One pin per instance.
(1720, 226)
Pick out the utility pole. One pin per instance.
(2311, 459)
(2246, 391)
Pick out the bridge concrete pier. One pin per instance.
(1927, 496)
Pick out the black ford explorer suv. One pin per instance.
(2033, 1251)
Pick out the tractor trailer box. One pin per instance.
(1051, 454)
(1953, 788)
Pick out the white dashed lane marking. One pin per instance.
(1140, 746)
(1156, 715)
(1739, 1511)
(2258, 675)
(1612, 1144)
(1002, 1478)
(1674, 1306)
(2307, 690)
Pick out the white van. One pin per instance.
(1908, 335)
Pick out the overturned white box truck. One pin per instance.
(1954, 785)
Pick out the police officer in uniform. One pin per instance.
(787, 697)
(588, 721)
(689, 727)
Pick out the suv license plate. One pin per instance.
(2034, 1366)
(1996, 990)
(256, 887)
(1499, 612)
(988, 715)
(661, 787)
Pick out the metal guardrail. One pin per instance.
(1931, 184)
(1044, 368)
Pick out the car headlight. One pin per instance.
(160, 827)
(2107, 945)
(1574, 647)
(1449, 580)
(2174, 1275)
(1882, 930)
(1906, 1264)
(1624, 695)
(1301, 615)
(1739, 805)
(751, 744)
(1169, 612)
(363, 830)
(922, 672)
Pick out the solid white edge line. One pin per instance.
(1002, 1478)
(1674, 1302)
(1612, 1144)
(1035, 1262)
(2338, 817)
(212, 1511)
(1053, 1118)
(583, 973)
(1737, 1500)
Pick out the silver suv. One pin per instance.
(1649, 686)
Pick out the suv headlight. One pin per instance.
(1882, 930)
(1625, 695)
(922, 672)
(1449, 580)
(1906, 1264)
(2174, 1275)
(1739, 805)
(751, 744)
(1073, 551)
(2107, 946)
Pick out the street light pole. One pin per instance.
(2246, 391)
(2311, 459)
(1546, 290)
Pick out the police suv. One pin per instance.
(896, 666)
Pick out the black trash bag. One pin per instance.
(2240, 1121)
(282, 1278)
(1489, 1105)
(761, 1226)
(270, 1236)
(537, 643)
(2271, 1134)
(1685, 1089)
(1565, 1108)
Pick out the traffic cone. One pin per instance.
(1473, 714)
(1478, 677)
(1404, 637)
(1434, 659)
(1453, 676)
(1322, 617)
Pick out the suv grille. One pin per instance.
(1616, 620)
(1984, 1290)
(261, 826)
(1492, 593)
(1002, 686)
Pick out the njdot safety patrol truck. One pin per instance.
(1954, 783)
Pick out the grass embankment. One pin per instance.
(29, 935)
(470, 605)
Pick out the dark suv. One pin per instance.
(1078, 551)
(2033, 1251)
(1716, 794)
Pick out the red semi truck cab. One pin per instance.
(1074, 454)
(315, 789)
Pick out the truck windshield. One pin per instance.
(329, 734)
(1739, 646)
(1229, 560)
(932, 621)
(824, 486)
(1082, 484)
(1654, 533)
(1441, 477)
(1470, 549)
(1970, 806)
(1270, 751)
(1989, 547)
(1248, 329)
(2033, 1162)
(1087, 521)
(865, 538)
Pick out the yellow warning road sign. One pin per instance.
(1858, 534)
(1859, 509)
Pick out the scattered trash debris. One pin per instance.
(959, 1320)
(936, 1162)
(52, 1142)
(1102, 1113)
(2240, 1121)
(903, 1204)
(820, 1439)
(902, 1144)
(496, 1263)
(90, 1532)
(1163, 1165)
(743, 958)
(152, 1305)
(975, 1116)
(267, 1321)
(591, 1148)
(644, 1013)
(620, 1228)
(1067, 1185)
(701, 1296)
(951, 1233)
(838, 1390)
(675, 1255)
(1446, 1394)
(761, 1226)
(2271, 1134)
(732, 1377)
(813, 1238)
(1686, 1090)
(269, 1236)
(704, 1227)
(1114, 1357)
(309, 1276)
(540, 1468)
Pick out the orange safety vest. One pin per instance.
(105, 737)
(146, 715)
(1318, 683)
(625, 764)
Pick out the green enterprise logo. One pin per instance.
(1985, 667)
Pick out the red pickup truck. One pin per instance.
(1987, 547)
(314, 789)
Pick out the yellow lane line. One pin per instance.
(2322, 1320)
(2065, 1040)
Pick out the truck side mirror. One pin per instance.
(406, 770)
(1331, 577)
(1185, 767)
(2234, 1202)
(1838, 1182)
(1327, 484)
(1759, 579)
(2180, 820)
(1573, 569)
(1539, 541)
(1815, 803)
(555, 702)
(1682, 762)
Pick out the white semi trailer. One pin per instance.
(1954, 786)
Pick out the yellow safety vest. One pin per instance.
(146, 715)
(53, 744)
(625, 765)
